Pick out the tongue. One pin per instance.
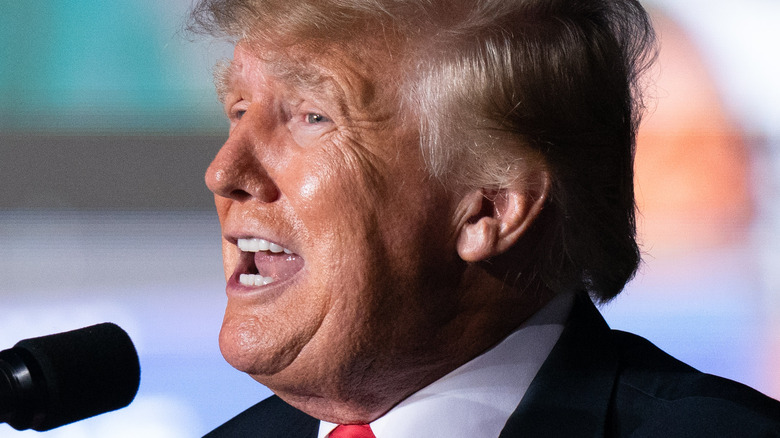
(277, 266)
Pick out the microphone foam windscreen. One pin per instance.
(86, 372)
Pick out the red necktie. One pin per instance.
(352, 431)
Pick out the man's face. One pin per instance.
(322, 194)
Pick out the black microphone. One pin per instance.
(57, 379)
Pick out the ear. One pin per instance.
(493, 220)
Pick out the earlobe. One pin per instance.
(494, 220)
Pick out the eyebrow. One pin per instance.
(296, 75)
(223, 70)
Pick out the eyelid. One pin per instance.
(236, 109)
(304, 115)
(305, 107)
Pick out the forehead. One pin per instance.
(349, 75)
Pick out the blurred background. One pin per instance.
(108, 120)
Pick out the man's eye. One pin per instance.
(239, 114)
(316, 118)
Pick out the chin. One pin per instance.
(245, 347)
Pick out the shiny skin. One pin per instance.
(327, 167)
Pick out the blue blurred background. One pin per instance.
(108, 120)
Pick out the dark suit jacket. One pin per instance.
(596, 382)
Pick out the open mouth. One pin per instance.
(265, 262)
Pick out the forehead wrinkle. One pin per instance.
(347, 86)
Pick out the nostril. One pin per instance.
(239, 195)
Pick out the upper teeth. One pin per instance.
(256, 245)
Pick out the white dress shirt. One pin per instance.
(476, 399)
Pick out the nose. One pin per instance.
(237, 172)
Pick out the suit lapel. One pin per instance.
(571, 393)
(271, 418)
(288, 422)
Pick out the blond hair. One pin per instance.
(495, 85)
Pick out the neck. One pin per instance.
(488, 311)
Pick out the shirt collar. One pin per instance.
(477, 398)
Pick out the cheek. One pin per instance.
(330, 208)
(338, 179)
(310, 187)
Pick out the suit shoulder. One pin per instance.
(271, 418)
(657, 395)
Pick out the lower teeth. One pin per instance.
(254, 280)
